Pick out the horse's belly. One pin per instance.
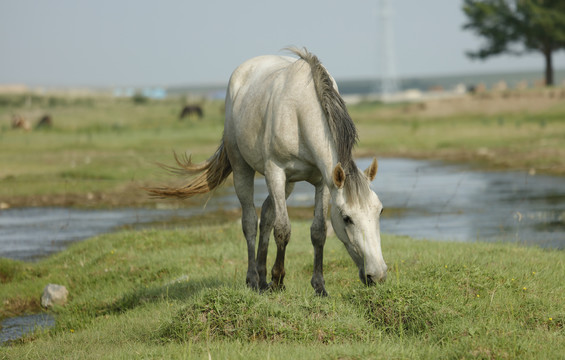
(296, 166)
(302, 172)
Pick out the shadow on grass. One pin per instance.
(180, 289)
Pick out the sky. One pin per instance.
(197, 42)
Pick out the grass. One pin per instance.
(98, 153)
(180, 294)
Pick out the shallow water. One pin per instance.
(15, 328)
(29, 233)
(438, 201)
(453, 202)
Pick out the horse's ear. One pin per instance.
(371, 171)
(338, 176)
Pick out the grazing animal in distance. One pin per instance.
(18, 122)
(286, 120)
(45, 122)
(191, 109)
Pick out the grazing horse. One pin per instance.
(45, 122)
(191, 109)
(286, 120)
(18, 122)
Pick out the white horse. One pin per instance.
(286, 120)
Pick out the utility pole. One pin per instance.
(389, 79)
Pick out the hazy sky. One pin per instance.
(174, 42)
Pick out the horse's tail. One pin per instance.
(212, 173)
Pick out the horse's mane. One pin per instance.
(341, 126)
(340, 123)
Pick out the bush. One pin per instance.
(139, 98)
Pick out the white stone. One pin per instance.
(54, 294)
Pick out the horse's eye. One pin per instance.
(347, 220)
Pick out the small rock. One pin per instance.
(4, 206)
(54, 294)
(483, 151)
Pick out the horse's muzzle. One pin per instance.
(370, 280)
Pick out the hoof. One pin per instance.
(264, 287)
(321, 292)
(252, 284)
(252, 280)
(275, 287)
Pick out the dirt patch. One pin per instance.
(491, 103)
(19, 306)
(124, 197)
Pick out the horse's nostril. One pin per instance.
(370, 280)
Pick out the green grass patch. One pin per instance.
(180, 293)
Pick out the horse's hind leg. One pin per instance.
(265, 228)
(276, 182)
(318, 233)
(243, 177)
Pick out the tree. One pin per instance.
(517, 27)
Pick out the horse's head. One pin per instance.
(355, 215)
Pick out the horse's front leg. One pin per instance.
(318, 232)
(265, 228)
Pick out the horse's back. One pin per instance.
(254, 71)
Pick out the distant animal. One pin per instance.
(477, 89)
(45, 122)
(191, 109)
(286, 120)
(18, 122)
